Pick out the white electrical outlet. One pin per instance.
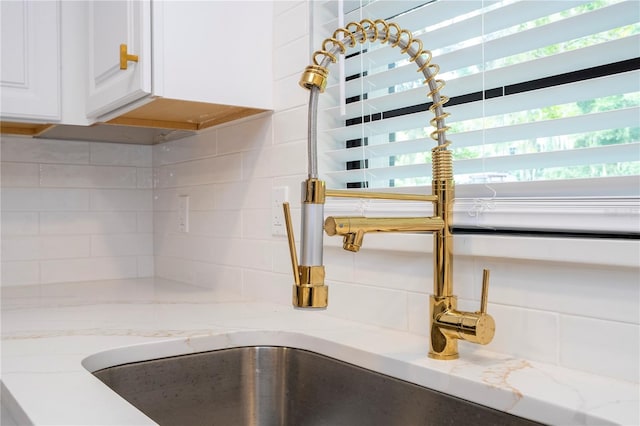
(279, 195)
(183, 213)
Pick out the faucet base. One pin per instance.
(310, 296)
(448, 325)
(444, 357)
(441, 346)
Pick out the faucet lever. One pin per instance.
(485, 291)
(292, 243)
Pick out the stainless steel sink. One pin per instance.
(261, 386)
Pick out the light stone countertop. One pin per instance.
(54, 335)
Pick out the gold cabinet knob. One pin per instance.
(125, 57)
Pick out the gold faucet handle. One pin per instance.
(484, 297)
(477, 327)
(292, 243)
(484, 325)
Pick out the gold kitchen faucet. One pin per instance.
(448, 324)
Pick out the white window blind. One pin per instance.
(540, 92)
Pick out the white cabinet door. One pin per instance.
(112, 23)
(30, 67)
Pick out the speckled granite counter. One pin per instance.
(54, 335)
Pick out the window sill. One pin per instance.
(596, 251)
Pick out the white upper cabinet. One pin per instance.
(214, 51)
(211, 62)
(112, 24)
(192, 64)
(30, 67)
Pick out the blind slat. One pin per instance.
(565, 158)
(382, 150)
(596, 121)
(616, 15)
(384, 9)
(615, 119)
(581, 90)
(587, 57)
(546, 128)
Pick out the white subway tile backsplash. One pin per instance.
(122, 245)
(253, 194)
(339, 264)
(190, 247)
(283, 161)
(205, 171)
(525, 333)
(602, 347)
(21, 175)
(281, 6)
(44, 199)
(257, 164)
(372, 305)
(144, 222)
(55, 199)
(215, 223)
(121, 200)
(256, 223)
(166, 199)
(266, 286)
(20, 199)
(98, 268)
(44, 151)
(145, 266)
(20, 223)
(65, 246)
(294, 183)
(41, 247)
(120, 154)
(73, 176)
(20, 248)
(190, 148)
(416, 274)
(87, 222)
(288, 94)
(281, 257)
(167, 222)
(290, 125)
(291, 58)
(291, 24)
(20, 273)
(144, 177)
(251, 134)
(57, 208)
(418, 313)
(563, 288)
(201, 197)
(252, 254)
(226, 281)
(173, 268)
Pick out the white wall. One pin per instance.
(75, 211)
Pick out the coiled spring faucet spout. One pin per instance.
(448, 325)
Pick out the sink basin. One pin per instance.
(264, 385)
